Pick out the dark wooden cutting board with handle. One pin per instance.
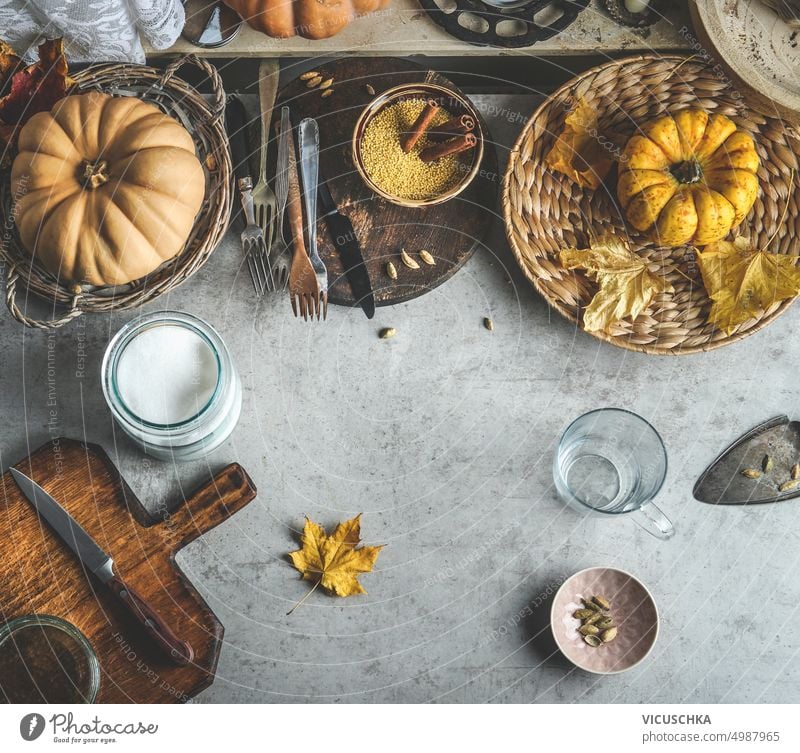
(450, 231)
(40, 575)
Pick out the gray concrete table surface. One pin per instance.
(443, 437)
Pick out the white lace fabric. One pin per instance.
(93, 30)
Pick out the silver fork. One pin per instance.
(264, 201)
(252, 236)
(281, 259)
(309, 166)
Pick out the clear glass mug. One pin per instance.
(612, 462)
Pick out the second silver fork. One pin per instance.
(309, 167)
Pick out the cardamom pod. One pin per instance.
(370, 90)
(608, 635)
(589, 604)
(408, 261)
(488, 323)
(308, 74)
(787, 486)
(427, 258)
(327, 93)
(391, 270)
(751, 473)
(592, 640)
(593, 619)
(387, 332)
(796, 470)
(767, 464)
(588, 630)
(313, 83)
(601, 602)
(326, 84)
(582, 614)
(605, 622)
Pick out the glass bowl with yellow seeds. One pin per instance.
(403, 177)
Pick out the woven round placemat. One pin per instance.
(205, 122)
(545, 211)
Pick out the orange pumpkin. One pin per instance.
(313, 19)
(107, 188)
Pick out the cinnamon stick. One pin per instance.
(456, 126)
(420, 126)
(444, 148)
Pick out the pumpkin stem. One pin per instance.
(688, 171)
(94, 174)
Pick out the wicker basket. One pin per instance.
(545, 211)
(204, 120)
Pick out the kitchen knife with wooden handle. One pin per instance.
(97, 561)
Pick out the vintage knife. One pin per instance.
(344, 238)
(98, 562)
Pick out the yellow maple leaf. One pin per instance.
(334, 561)
(743, 282)
(580, 151)
(627, 287)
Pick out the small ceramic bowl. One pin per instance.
(455, 104)
(632, 607)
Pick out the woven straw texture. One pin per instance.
(546, 212)
(204, 120)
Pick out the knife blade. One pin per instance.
(97, 561)
(344, 239)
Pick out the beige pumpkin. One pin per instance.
(106, 188)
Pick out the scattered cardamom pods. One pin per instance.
(592, 640)
(796, 470)
(767, 464)
(327, 93)
(488, 323)
(313, 83)
(308, 74)
(408, 261)
(387, 333)
(326, 84)
(427, 258)
(787, 486)
(751, 473)
(608, 635)
(601, 602)
(370, 90)
(391, 270)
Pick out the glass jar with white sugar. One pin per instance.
(171, 385)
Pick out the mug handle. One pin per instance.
(654, 521)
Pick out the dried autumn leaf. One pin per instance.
(35, 88)
(743, 282)
(9, 62)
(580, 152)
(334, 561)
(627, 287)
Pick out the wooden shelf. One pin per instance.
(405, 29)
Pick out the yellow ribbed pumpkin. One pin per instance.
(313, 19)
(689, 177)
(106, 188)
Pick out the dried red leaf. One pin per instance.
(35, 88)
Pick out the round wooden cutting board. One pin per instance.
(450, 231)
(758, 50)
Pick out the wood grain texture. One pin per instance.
(450, 231)
(39, 574)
